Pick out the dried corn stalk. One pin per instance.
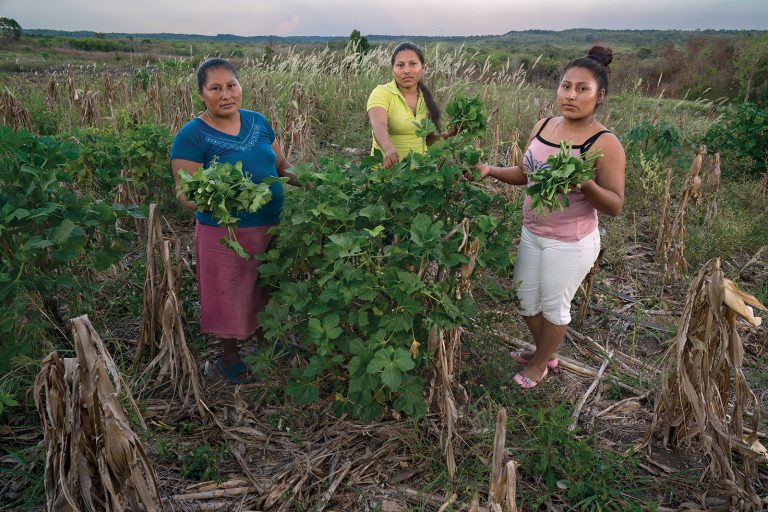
(128, 195)
(494, 118)
(13, 113)
(672, 246)
(704, 395)
(664, 226)
(94, 460)
(52, 93)
(763, 185)
(155, 97)
(295, 130)
(173, 366)
(181, 105)
(71, 84)
(109, 88)
(89, 106)
(446, 347)
(713, 184)
(586, 286)
(516, 154)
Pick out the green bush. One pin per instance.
(741, 137)
(659, 141)
(365, 265)
(52, 236)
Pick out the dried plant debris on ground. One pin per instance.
(311, 460)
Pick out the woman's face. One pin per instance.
(407, 69)
(221, 92)
(578, 94)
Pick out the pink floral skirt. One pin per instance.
(229, 297)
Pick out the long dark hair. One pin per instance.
(208, 65)
(596, 62)
(434, 110)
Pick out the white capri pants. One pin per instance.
(548, 273)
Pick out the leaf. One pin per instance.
(303, 391)
(235, 246)
(391, 376)
(315, 329)
(36, 243)
(403, 360)
(379, 361)
(63, 230)
(315, 367)
(411, 398)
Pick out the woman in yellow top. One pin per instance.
(393, 107)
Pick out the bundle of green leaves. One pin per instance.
(466, 114)
(563, 171)
(225, 190)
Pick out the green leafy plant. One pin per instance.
(46, 228)
(201, 463)
(224, 190)
(52, 236)
(7, 400)
(742, 138)
(660, 141)
(562, 172)
(467, 115)
(367, 262)
(587, 474)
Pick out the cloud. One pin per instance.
(288, 27)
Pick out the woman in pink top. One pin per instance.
(557, 249)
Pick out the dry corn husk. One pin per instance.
(173, 368)
(698, 406)
(94, 460)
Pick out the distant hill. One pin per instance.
(578, 36)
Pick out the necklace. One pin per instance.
(571, 136)
(214, 123)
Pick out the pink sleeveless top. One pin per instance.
(575, 222)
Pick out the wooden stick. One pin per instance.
(511, 470)
(618, 404)
(208, 506)
(215, 493)
(753, 260)
(591, 388)
(494, 493)
(327, 495)
(448, 503)
(209, 486)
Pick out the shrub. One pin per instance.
(742, 140)
(366, 264)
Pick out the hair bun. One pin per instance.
(601, 54)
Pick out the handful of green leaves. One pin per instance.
(466, 114)
(564, 170)
(223, 189)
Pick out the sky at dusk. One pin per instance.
(393, 17)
